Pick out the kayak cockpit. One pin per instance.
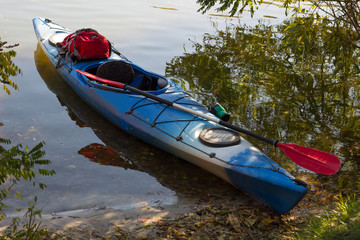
(116, 69)
(124, 72)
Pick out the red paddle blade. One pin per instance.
(103, 80)
(311, 159)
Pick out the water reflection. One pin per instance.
(289, 82)
(122, 150)
(236, 6)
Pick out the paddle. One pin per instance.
(311, 159)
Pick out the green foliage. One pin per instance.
(235, 6)
(18, 163)
(341, 223)
(26, 228)
(8, 68)
(343, 14)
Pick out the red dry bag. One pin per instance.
(85, 44)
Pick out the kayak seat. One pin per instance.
(116, 71)
(123, 72)
(148, 83)
(142, 82)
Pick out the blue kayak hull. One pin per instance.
(176, 131)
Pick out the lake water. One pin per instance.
(150, 33)
(302, 104)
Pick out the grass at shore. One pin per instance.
(343, 222)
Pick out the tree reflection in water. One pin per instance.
(298, 82)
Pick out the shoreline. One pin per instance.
(136, 223)
(96, 223)
(227, 217)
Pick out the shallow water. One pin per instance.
(44, 108)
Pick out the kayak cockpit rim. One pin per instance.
(143, 80)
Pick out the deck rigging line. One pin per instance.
(178, 138)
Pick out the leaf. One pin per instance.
(267, 221)
(232, 220)
(250, 221)
(18, 195)
(238, 228)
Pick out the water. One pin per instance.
(44, 108)
(288, 82)
(123, 172)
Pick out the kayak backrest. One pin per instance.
(119, 71)
(162, 82)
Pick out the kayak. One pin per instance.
(205, 143)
